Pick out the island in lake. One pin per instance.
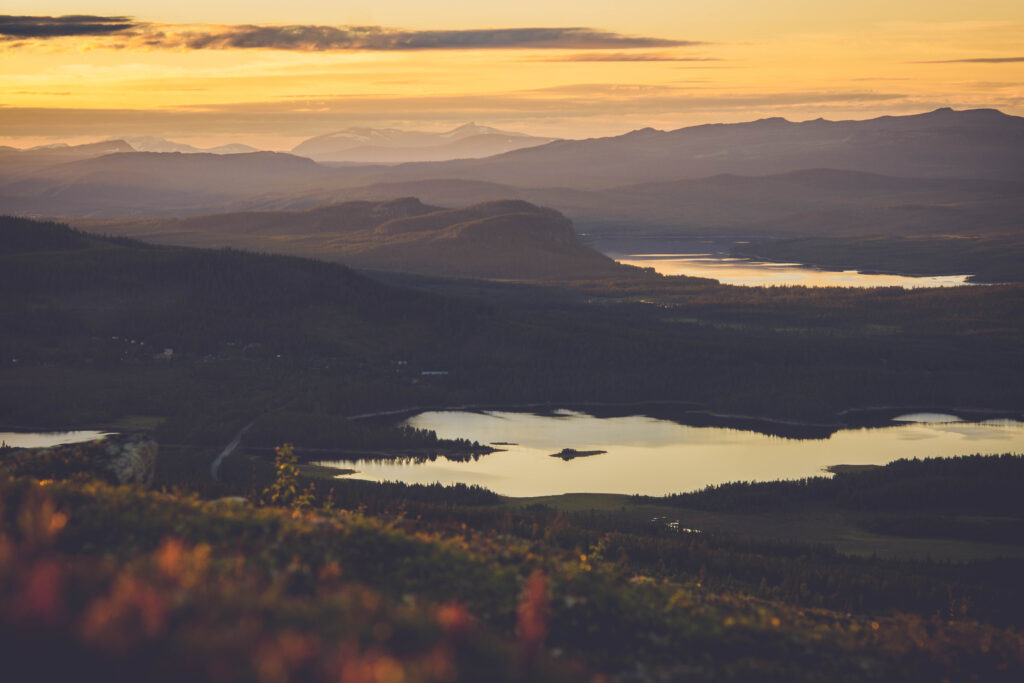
(570, 453)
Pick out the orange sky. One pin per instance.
(180, 71)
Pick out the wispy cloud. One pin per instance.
(316, 38)
(976, 60)
(629, 57)
(20, 27)
(123, 32)
(315, 116)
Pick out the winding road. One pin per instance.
(228, 450)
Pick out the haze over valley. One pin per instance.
(930, 176)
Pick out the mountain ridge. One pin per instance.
(968, 143)
(393, 145)
(599, 180)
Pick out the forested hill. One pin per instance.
(93, 329)
(963, 485)
(190, 298)
(506, 239)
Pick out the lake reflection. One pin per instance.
(657, 457)
(745, 272)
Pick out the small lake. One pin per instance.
(750, 273)
(658, 456)
(47, 439)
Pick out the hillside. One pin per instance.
(497, 239)
(280, 579)
(241, 328)
(86, 320)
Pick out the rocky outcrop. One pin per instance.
(129, 459)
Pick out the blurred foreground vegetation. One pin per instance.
(132, 584)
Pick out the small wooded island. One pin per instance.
(570, 453)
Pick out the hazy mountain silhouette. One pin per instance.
(980, 143)
(150, 183)
(499, 239)
(818, 201)
(19, 161)
(945, 171)
(390, 145)
(150, 143)
(14, 161)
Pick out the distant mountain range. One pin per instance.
(146, 143)
(155, 144)
(152, 183)
(391, 146)
(498, 239)
(941, 172)
(980, 143)
(16, 162)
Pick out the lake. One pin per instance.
(47, 439)
(750, 273)
(659, 456)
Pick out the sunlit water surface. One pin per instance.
(47, 439)
(657, 457)
(745, 272)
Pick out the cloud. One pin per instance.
(629, 57)
(977, 60)
(16, 27)
(315, 116)
(123, 32)
(378, 38)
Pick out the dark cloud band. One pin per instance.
(978, 60)
(322, 38)
(124, 32)
(56, 27)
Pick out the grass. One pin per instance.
(128, 583)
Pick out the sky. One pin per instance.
(271, 74)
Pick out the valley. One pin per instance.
(402, 405)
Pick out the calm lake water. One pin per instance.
(47, 439)
(657, 457)
(739, 271)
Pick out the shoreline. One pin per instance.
(689, 408)
(732, 241)
(697, 409)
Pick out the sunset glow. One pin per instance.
(256, 73)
